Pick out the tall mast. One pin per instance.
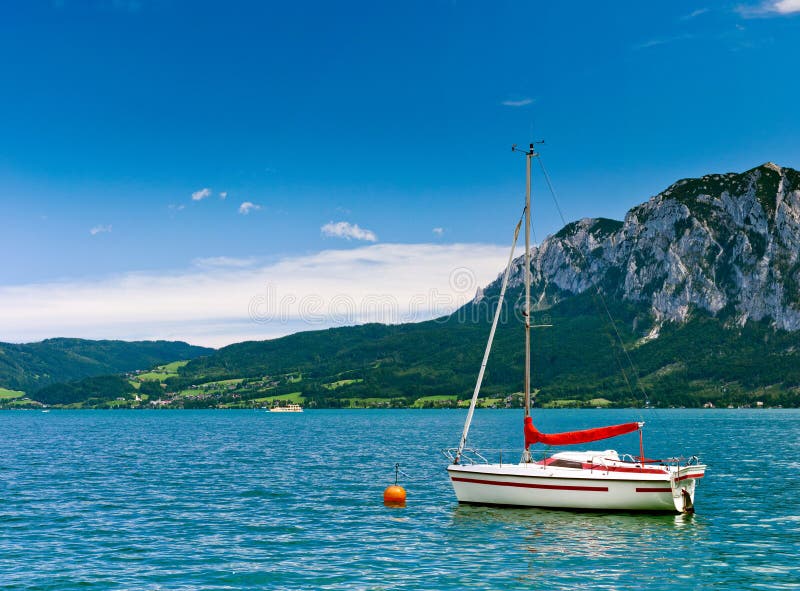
(530, 153)
(528, 157)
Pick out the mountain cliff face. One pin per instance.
(727, 244)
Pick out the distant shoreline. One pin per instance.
(266, 410)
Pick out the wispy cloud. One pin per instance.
(517, 103)
(101, 229)
(663, 41)
(223, 195)
(770, 8)
(438, 231)
(348, 231)
(218, 304)
(222, 261)
(694, 14)
(201, 194)
(248, 206)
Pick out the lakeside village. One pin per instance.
(162, 388)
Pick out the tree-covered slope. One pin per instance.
(97, 388)
(31, 366)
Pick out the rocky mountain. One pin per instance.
(724, 244)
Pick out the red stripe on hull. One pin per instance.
(655, 490)
(526, 485)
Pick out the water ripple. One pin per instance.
(247, 500)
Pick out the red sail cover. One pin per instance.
(533, 435)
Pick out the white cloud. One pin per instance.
(201, 194)
(100, 230)
(246, 207)
(786, 6)
(223, 194)
(220, 305)
(348, 231)
(438, 231)
(518, 103)
(769, 8)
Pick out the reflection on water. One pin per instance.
(463, 514)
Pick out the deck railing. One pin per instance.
(470, 456)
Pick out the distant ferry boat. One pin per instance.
(287, 408)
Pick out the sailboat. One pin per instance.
(585, 480)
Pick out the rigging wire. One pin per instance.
(600, 295)
(463, 442)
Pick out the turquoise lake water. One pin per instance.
(146, 500)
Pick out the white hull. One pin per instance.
(615, 486)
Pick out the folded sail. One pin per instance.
(533, 435)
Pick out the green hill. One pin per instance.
(576, 361)
(89, 391)
(32, 366)
(578, 358)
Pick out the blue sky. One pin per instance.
(352, 126)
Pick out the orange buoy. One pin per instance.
(394, 496)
